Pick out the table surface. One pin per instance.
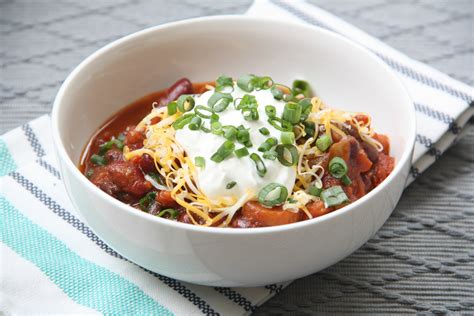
(421, 261)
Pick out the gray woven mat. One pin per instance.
(421, 261)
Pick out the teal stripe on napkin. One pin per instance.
(7, 164)
(83, 281)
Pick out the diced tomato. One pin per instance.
(317, 208)
(133, 138)
(364, 119)
(363, 162)
(383, 139)
(165, 199)
(256, 213)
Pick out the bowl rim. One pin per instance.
(63, 155)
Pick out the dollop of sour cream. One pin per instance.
(213, 179)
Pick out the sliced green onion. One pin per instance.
(309, 128)
(121, 137)
(214, 117)
(272, 194)
(337, 167)
(277, 93)
(287, 154)
(108, 145)
(226, 149)
(172, 213)
(146, 201)
(203, 111)
(261, 169)
(230, 185)
(264, 131)
(230, 132)
(183, 120)
(243, 135)
(246, 102)
(98, 160)
(280, 124)
(246, 82)
(263, 83)
(301, 87)
(172, 108)
(195, 124)
(241, 152)
(185, 103)
(223, 82)
(323, 142)
(334, 196)
(346, 180)
(218, 102)
(250, 114)
(287, 138)
(200, 162)
(306, 107)
(205, 129)
(216, 128)
(270, 155)
(89, 173)
(268, 144)
(157, 177)
(292, 113)
(270, 110)
(314, 190)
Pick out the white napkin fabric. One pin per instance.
(51, 262)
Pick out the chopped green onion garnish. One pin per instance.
(121, 137)
(309, 128)
(346, 180)
(243, 135)
(270, 110)
(214, 117)
(277, 93)
(337, 167)
(89, 173)
(216, 128)
(203, 111)
(246, 82)
(292, 113)
(230, 132)
(183, 120)
(248, 101)
(200, 162)
(314, 190)
(280, 124)
(287, 137)
(268, 144)
(250, 114)
(98, 160)
(195, 124)
(334, 196)
(185, 103)
(172, 108)
(261, 169)
(172, 213)
(306, 107)
(264, 131)
(270, 155)
(222, 82)
(323, 142)
(273, 194)
(157, 177)
(230, 185)
(218, 102)
(263, 83)
(108, 145)
(287, 154)
(205, 129)
(226, 149)
(301, 87)
(146, 201)
(241, 152)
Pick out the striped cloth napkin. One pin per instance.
(51, 262)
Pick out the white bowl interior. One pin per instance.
(344, 75)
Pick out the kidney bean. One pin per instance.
(180, 87)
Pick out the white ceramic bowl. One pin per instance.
(344, 74)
